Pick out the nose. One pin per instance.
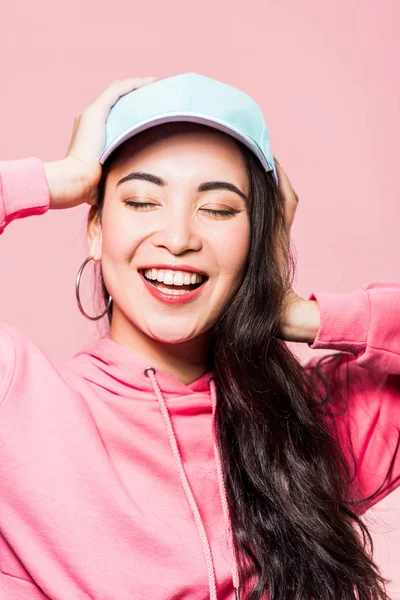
(178, 234)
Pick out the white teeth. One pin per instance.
(178, 279)
(172, 292)
(170, 277)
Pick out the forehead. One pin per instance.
(189, 148)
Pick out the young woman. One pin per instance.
(188, 454)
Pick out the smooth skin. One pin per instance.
(170, 224)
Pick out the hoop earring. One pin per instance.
(78, 280)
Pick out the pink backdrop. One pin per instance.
(326, 77)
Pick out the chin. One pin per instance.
(169, 335)
(178, 330)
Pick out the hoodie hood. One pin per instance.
(127, 369)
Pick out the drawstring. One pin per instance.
(151, 373)
(222, 493)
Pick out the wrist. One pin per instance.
(305, 319)
(67, 182)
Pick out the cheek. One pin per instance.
(120, 238)
(231, 250)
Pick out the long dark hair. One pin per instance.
(297, 528)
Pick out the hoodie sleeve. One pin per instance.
(23, 190)
(365, 324)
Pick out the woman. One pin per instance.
(116, 482)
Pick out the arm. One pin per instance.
(366, 325)
(30, 187)
(23, 190)
(365, 322)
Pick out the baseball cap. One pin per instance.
(190, 97)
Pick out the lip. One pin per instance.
(169, 298)
(168, 267)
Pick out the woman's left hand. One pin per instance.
(300, 317)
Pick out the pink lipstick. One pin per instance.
(173, 299)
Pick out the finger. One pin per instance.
(288, 196)
(285, 185)
(283, 182)
(74, 130)
(119, 88)
(100, 108)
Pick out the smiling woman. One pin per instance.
(196, 218)
(187, 453)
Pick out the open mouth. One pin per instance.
(173, 282)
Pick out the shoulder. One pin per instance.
(14, 342)
(23, 363)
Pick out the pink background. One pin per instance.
(326, 77)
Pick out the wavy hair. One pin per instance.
(296, 523)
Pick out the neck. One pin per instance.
(187, 361)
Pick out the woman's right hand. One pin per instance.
(74, 179)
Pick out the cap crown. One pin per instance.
(190, 97)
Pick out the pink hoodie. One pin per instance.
(110, 482)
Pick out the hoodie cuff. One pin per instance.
(23, 189)
(345, 320)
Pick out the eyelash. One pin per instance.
(222, 213)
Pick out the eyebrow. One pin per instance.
(203, 187)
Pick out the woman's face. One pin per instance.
(173, 233)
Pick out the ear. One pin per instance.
(94, 233)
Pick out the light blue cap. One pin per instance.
(190, 97)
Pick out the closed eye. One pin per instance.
(139, 205)
(221, 213)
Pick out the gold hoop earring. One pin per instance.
(77, 283)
